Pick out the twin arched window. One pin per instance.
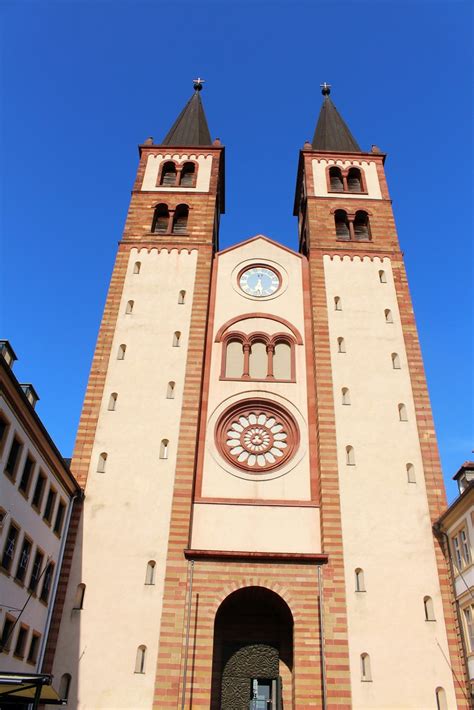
(258, 357)
(170, 220)
(176, 175)
(346, 180)
(352, 227)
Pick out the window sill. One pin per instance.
(366, 680)
(19, 582)
(5, 571)
(256, 379)
(169, 234)
(19, 656)
(25, 494)
(347, 192)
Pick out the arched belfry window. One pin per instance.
(180, 219)
(335, 180)
(188, 174)
(354, 181)
(168, 174)
(361, 226)
(234, 359)
(342, 225)
(161, 219)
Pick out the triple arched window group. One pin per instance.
(178, 174)
(170, 220)
(258, 356)
(352, 226)
(346, 180)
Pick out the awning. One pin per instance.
(29, 688)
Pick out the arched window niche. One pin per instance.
(168, 174)
(112, 402)
(176, 339)
(350, 456)
(188, 175)
(101, 464)
(164, 448)
(341, 345)
(64, 686)
(396, 361)
(402, 412)
(140, 659)
(258, 356)
(121, 352)
(429, 609)
(150, 573)
(365, 669)
(441, 702)
(137, 267)
(181, 298)
(170, 390)
(337, 303)
(342, 225)
(335, 179)
(180, 219)
(161, 219)
(79, 598)
(346, 396)
(354, 180)
(359, 580)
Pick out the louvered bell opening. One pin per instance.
(335, 180)
(187, 175)
(160, 222)
(168, 175)
(361, 227)
(342, 225)
(354, 183)
(180, 222)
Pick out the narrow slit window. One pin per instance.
(129, 308)
(346, 395)
(337, 304)
(79, 598)
(113, 402)
(164, 448)
(388, 315)
(350, 456)
(140, 659)
(402, 413)
(341, 345)
(411, 477)
(180, 219)
(441, 702)
(342, 225)
(168, 174)
(361, 226)
(365, 670)
(161, 218)
(170, 390)
(102, 462)
(382, 277)
(64, 686)
(121, 352)
(136, 267)
(429, 609)
(176, 339)
(396, 361)
(181, 297)
(359, 580)
(150, 572)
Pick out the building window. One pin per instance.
(341, 345)
(335, 180)
(168, 175)
(20, 645)
(469, 622)
(164, 448)
(34, 647)
(342, 225)
(150, 572)
(121, 352)
(181, 297)
(429, 609)
(396, 361)
(346, 397)
(402, 413)
(26, 476)
(112, 402)
(180, 219)
(282, 361)
(359, 580)
(47, 581)
(7, 631)
(188, 172)
(39, 491)
(13, 459)
(388, 315)
(48, 508)
(140, 659)
(337, 304)
(161, 219)
(79, 598)
(58, 523)
(350, 456)
(411, 478)
(176, 339)
(346, 180)
(365, 670)
(4, 427)
(382, 277)
(23, 560)
(10, 547)
(64, 686)
(441, 703)
(136, 267)
(354, 182)
(102, 462)
(129, 307)
(361, 226)
(461, 549)
(170, 390)
(258, 361)
(37, 571)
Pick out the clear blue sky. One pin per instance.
(84, 82)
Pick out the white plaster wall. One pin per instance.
(385, 520)
(127, 508)
(31, 524)
(249, 528)
(370, 172)
(153, 168)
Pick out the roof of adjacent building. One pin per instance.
(332, 132)
(190, 128)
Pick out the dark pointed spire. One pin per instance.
(331, 131)
(190, 128)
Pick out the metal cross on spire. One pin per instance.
(325, 89)
(197, 83)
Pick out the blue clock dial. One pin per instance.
(259, 281)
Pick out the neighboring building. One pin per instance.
(259, 456)
(36, 493)
(456, 529)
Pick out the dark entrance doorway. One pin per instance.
(253, 652)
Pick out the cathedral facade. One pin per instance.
(258, 455)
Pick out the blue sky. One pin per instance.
(83, 83)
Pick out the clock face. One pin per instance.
(259, 281)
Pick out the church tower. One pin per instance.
(258, 456)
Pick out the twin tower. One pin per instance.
(258, 455)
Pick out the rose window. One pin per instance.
(257, 438)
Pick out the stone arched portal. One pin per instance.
(253, 651)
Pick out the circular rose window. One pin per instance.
(257, 436)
